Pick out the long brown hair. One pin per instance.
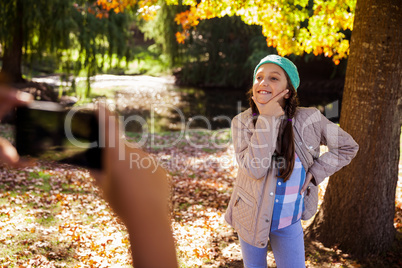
(288, 144)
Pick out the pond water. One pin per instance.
(166, 107)
(157, 104)
(176, 108)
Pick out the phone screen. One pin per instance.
(47, 131)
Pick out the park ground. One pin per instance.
(53, 215)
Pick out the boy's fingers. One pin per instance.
(23, 98)
(14, 97)
(9, 156)
(10, 98)
(8, 153)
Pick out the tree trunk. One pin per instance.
(359, 205)
(12, 57)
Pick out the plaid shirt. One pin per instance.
(289, 205)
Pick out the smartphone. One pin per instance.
(47, 130)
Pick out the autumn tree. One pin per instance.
(305, 26)
(358, 209)
(217, 35)
(359, 204)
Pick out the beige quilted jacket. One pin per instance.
(250, 208)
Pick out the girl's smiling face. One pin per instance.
(270, 80)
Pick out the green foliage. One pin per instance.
(291, 26)
(221, 52)
(217, 42)
(162, 29)
(149, 60)
(62, 27)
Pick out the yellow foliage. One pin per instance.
(281, 22)
(180, 37)
(147, 8)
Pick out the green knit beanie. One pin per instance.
(286, 65)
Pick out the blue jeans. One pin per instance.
(287, 245)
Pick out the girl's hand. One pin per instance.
(309, 177)
(272, 107)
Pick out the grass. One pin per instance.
(52, 214)
(148, 60)
(28, 240)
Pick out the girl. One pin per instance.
(277, 146)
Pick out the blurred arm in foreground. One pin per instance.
(138, 192)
